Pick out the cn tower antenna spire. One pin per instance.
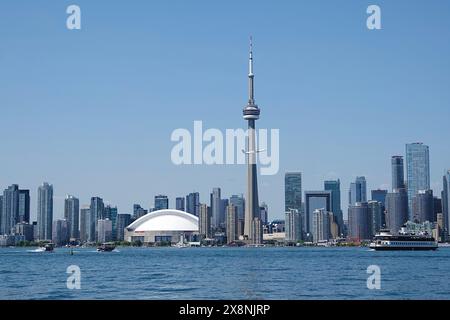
(251, 76)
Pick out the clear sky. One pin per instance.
(92, 110)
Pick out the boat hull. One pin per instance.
(404, 248)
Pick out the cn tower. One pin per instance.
(251, 114)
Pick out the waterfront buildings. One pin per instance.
(45, 211)
(417, 171)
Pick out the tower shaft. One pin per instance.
(251, 114)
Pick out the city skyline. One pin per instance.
(120, 97)
(154, 201)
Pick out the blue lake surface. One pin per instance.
(224, 273)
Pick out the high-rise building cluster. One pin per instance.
(410, 201)
(221, 218)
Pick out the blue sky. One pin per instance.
(92, 111)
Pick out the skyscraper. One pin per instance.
(123, 221)
(96, 213)
(138, 211)
(358, 191)
(1, 214)
(45, 211)
(179, 203)
(205, 221)
(104, 230)
(231, 223)
(380, 196)
(423, 206)
(85, 216)
(335, 187)
(375, 217)
(362, 182)
(239, 202)
(417, 170)
(321, 225)
(161, 202)
(60, 232)
(398, 176)
(396, 210)
(264, 213)
(193, 203)
(223, 211)
(24, 206)
(111, 214)
(315, 200)
(216, 202)
(293, 191)
(359, 222)
(72, 215)
(446, 202)
(251, 114)
(293, 226)
(10, 209)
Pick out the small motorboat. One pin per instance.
(106, 247)
(46, 247)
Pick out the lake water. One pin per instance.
(224, 273)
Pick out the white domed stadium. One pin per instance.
(163, 226)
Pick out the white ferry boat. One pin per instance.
(404, 241)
